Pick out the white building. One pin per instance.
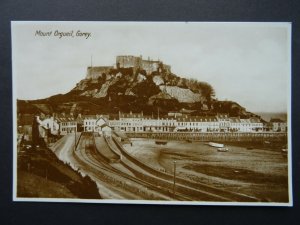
(256, 124)
(245, 125)
(137, 122)
(50, 124)
(235, 124)
(278, 125)
(197, 124)
(115, 124)
(67, 124)
(132, 122)
(224, 122)
(94, 123)
(162, 124)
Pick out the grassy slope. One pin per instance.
(41, 174)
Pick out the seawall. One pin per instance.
(212, 136)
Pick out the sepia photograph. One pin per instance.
(195, 113)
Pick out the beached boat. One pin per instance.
(223, 149)
(284, 152)
(161, 142)
(216, 145)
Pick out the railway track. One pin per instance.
(204, 189)
(90, 154)
(145, 173)
(146, 176)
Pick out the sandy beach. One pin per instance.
(256, 172)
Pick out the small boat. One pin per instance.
(189, 140)
(161, 142)
(216, 145)
(250, 148)
(223, 149)
(284, 152)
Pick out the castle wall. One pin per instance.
(150, 66)
(97, 71)
(128, 61)
(137, 62)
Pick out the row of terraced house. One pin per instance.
(137, 122)
(63, 124)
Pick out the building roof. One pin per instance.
(222, 116)
(130, 115)
(234, 120)
(104, 125)
(64, 118)
(95, 117)
(196, 119)
(245, 120)
(165, 117)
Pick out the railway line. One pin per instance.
(203, 189)
(112, 164)
(141, 172)
(107, 173)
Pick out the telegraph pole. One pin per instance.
(174, 178)
(75, 140)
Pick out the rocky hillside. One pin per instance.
(126, 89)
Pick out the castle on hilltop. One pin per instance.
(129, 61)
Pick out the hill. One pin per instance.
(133, 89)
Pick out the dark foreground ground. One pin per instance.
(41, 175)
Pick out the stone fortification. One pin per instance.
(96, 71)
(148, 65)
(129, 61)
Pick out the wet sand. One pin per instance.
(256, 172)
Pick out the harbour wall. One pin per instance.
(212, 136)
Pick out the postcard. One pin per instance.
(189, 113)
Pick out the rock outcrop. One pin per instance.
(158, 80)
(181, 94)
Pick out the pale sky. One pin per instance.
(245, 62)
